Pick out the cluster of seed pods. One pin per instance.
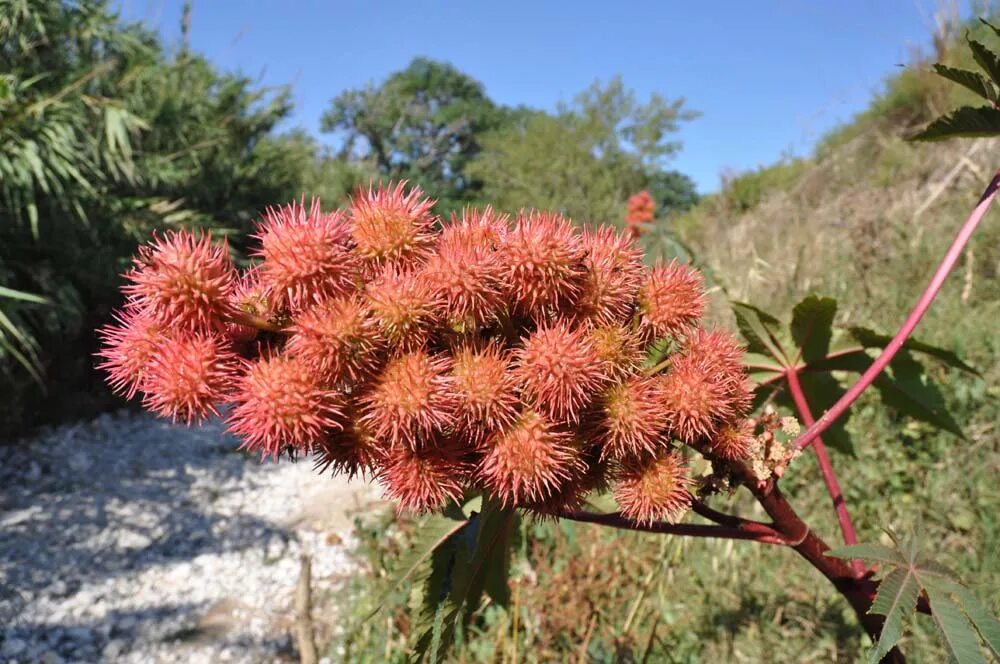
(440, 357)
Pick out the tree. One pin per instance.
(422, 124)
(586, 159)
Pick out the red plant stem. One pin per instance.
(825, 468)
(893, 347)
(751, 530)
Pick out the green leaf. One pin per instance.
(904, 385)
(760, 329)
(12, 294)
(812, 326)
(964, 122)
(986, 59)
(987, 626)
(479, 565)
(896, 599)
(433, 532)
(971, 80)
(872, 553)
(869, 338)
(995, 29)
(960, 636)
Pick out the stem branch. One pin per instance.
(893, 347)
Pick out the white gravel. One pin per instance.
(127, 539)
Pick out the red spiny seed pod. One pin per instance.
(391, 226)
(671, 300)
(543, 257)
(619, 349)
(722, 355)
(353, 451)
(530, 460)
(189, 373)
(404, 306)
(572, 494)
(280, 402)
(696, 399)
(467, 274)
(182, 280)
(127, 349)
(559, 371)
(654, 488)
(485, 390)
(305, 254)
(733, 441)
(612, 278)
(425, 479)
(632, 417)
(483, 227)
(338, 338)
(641, 211)
(411, 400)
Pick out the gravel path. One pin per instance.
(127, 539)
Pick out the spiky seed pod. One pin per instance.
(559, 371)
(671, 300)
(281, 402)
(353, 451)
(619, 349)
(425, 479)
(391, 226)
(695, 398)
(306, 255)
(404, 306)
(654, 488)
(543, 256)
(127, 349)
(733, 441)
(187, 375)
(485, 390)
(722, 355)
(182, 280)
(573, 493)
(411, 400)
(631, 418)
(641, 211)
(337, 338)
(482, 227)
(467, 274)
(612, 277)
(530, 460)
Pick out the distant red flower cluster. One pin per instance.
(641, 211)
(484, 354)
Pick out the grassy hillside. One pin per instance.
(865, 220)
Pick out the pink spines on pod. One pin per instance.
(654, 488)
(543, 257)
(411, 400)
(530, 460)
(338, 338)
(392, 226)
(189, 373)
(182, 280)
(611, 280)
(671, 300)
(127, 348)
(281, 402)
(559, 371)
(306, 257)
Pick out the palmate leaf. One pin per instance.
(478, 564)
(970, 80)
(905, 386)
(964, 122)
(868, 338)
(908, 571)
(760, 329)
(812, 326)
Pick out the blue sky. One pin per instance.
(769, 76)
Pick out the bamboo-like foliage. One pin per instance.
(105, 135)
